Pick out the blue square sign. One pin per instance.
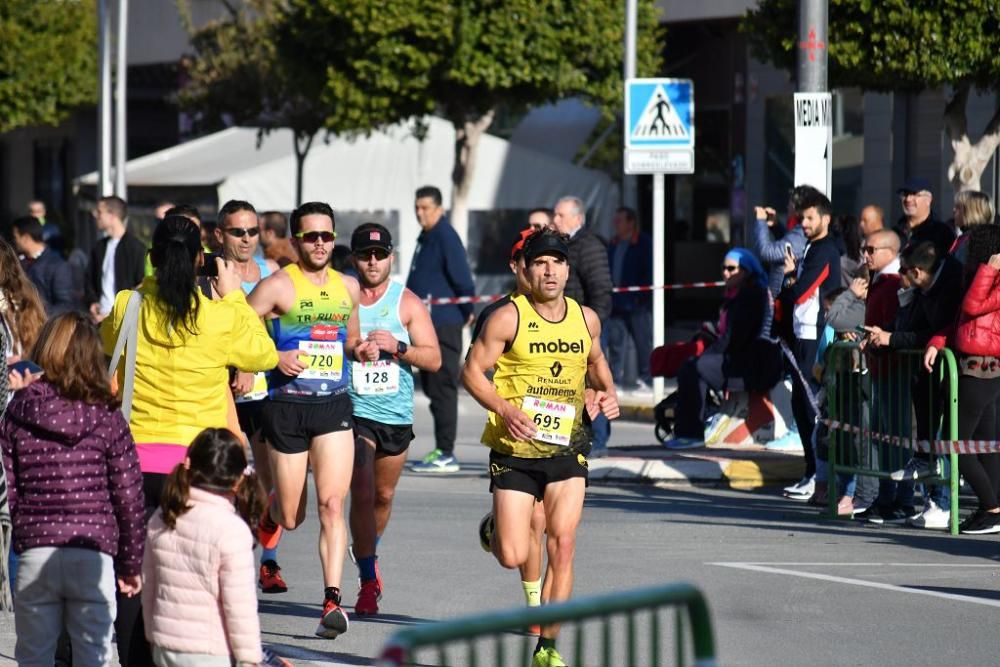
(659, 126)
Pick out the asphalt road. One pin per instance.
(784, 586)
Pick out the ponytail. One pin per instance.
(174, 255)
(176, 494)
(250, 500)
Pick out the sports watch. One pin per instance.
(401, 349)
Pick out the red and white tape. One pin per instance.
(939, 447)
(490, 298)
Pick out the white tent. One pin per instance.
(375, 174)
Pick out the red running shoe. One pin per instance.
(268, 532)
(270, 580)
(333, 622)
(368, 597)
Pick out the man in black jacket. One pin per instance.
(589, 282)
(918, 224)
(116, 261)
(49, 272)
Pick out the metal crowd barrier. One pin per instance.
(884, 408)
(623, 620)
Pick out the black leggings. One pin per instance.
(977, 416)
(133, 649)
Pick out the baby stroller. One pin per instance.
(666, 361)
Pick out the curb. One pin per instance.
(736, 469)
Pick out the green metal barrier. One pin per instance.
(891, 394)
(640, 608)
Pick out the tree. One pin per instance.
(906, 46)
(267, 66)
(468, 59)
(48, 63)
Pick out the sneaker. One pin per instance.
(790, 442)
(436, 461)
(845, 507)
(270, 579)
(867, 513)
(333, 622)
(969, 520)
(272, 660)
(933, 517)
(547, 657)
(535, 630)
(368, 597)
(716, 427)
(986, 523)
(916, 469)
(802, 489)
(889, 515)
(486, 526)
(268, 532)
(684, 443)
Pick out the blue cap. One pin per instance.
(916, 184)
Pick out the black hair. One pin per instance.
(277, 222)
(176, 246)
(216, 462)
(115, 205)
(542, 209)
(29, 226)
(921, 256)
(816, 200)
(234, 206)
(628, 212)
(799, 194)
(185, 210)
(311, 208)
(430, 191)
(342, 259)
(983, 243)
(850, 231)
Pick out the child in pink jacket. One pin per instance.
(199, 597)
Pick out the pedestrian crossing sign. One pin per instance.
(659, 126)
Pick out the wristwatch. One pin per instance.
(401, 349)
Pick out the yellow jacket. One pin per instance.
(182, 379)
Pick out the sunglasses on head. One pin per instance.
(379, 254)
(312, 237)
(240, 232)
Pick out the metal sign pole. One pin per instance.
(104, 98)
(659, 295)
(630, 186)
(121, 100)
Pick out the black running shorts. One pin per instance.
(289, 427)
(389, 439)
(532, 475)
(249, 417)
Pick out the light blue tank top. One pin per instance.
(265, 271)
(383, 390)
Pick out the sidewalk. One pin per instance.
(748, 467)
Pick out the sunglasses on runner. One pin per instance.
(312, 237)
(363, 255)
(239, 232)
(730, 269)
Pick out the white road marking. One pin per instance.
(756, 567)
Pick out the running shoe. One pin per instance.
(790, 442)
(985, 523)
(547, 657)
(486, 527)
(268, 532)
(934, 517)
(368, 597)
(333, 622)
(684, 443)
(437, 461)
(270, 579)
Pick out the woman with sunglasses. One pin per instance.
(744, 313)
(186, 345)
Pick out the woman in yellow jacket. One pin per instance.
(186, 345)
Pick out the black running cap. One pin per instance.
(544, 244)
(371, 235)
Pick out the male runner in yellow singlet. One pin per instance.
(545, 348)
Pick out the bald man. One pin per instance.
(872, 220)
